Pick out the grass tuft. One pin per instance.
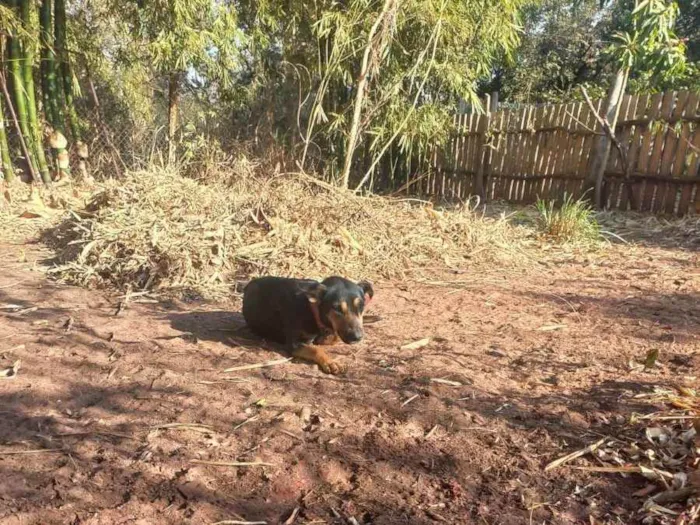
(572, 222)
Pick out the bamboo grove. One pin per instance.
(348, 89)
(33, 40)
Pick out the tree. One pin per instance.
(562, 47)
(649, 48)
(186, 37)
(374, 76)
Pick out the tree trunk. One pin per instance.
(66, 75)
(360, 95)
(602, 146)
(28, 79)
(6, 170)
(173, 109)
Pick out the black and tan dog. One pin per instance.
(302, 313)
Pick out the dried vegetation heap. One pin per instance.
(161, 230)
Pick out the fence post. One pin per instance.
(482, 169)
(602, 145)
(494, 102)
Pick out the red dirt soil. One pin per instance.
(538, 364)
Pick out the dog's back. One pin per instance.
(272, 304)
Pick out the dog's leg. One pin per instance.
(318, 356)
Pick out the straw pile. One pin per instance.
(158, 230)
(24, 211)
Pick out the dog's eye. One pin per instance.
(337, 308)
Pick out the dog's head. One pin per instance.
(341, 304)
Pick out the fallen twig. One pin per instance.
(26, 452)
(416, 344)
(627, 470)
(239, 522)
(432, 431)
(409, 400)
(97, 433)
(259, 365)
(292, 517)
(183, 426)
(445, 381)
(291, 434)
(561, 461)
(232, 463)
(251, 418)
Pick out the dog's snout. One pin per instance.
(353, 337)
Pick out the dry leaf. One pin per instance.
(10, 372)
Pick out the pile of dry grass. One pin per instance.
(26, 211)
(160, 230)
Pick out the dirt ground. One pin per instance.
(537, 365)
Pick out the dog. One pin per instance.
(303, 313)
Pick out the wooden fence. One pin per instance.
(545, 151)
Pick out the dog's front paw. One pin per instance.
(332, 367)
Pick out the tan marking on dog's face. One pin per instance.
(356, 303)
(344, 307)
(343, 323)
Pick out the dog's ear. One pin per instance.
(312, 290)
(367, 289)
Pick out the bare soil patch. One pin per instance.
(530, 365)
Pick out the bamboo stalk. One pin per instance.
(54, 108)
(18, 128)
(65, 73)
(27, 70)
(360, 92)
(6, 170)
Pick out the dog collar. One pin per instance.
(317, 316)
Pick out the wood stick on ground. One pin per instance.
(561, 461)
(292, 517)
(432, 431)
(27, 452)
(259, 365)
(183, 426)
(409, 400)
(445, 381)
(291, 434)
(627, 470)
(239, 522)
(251, 418)
(98, 433)
(231, 463)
